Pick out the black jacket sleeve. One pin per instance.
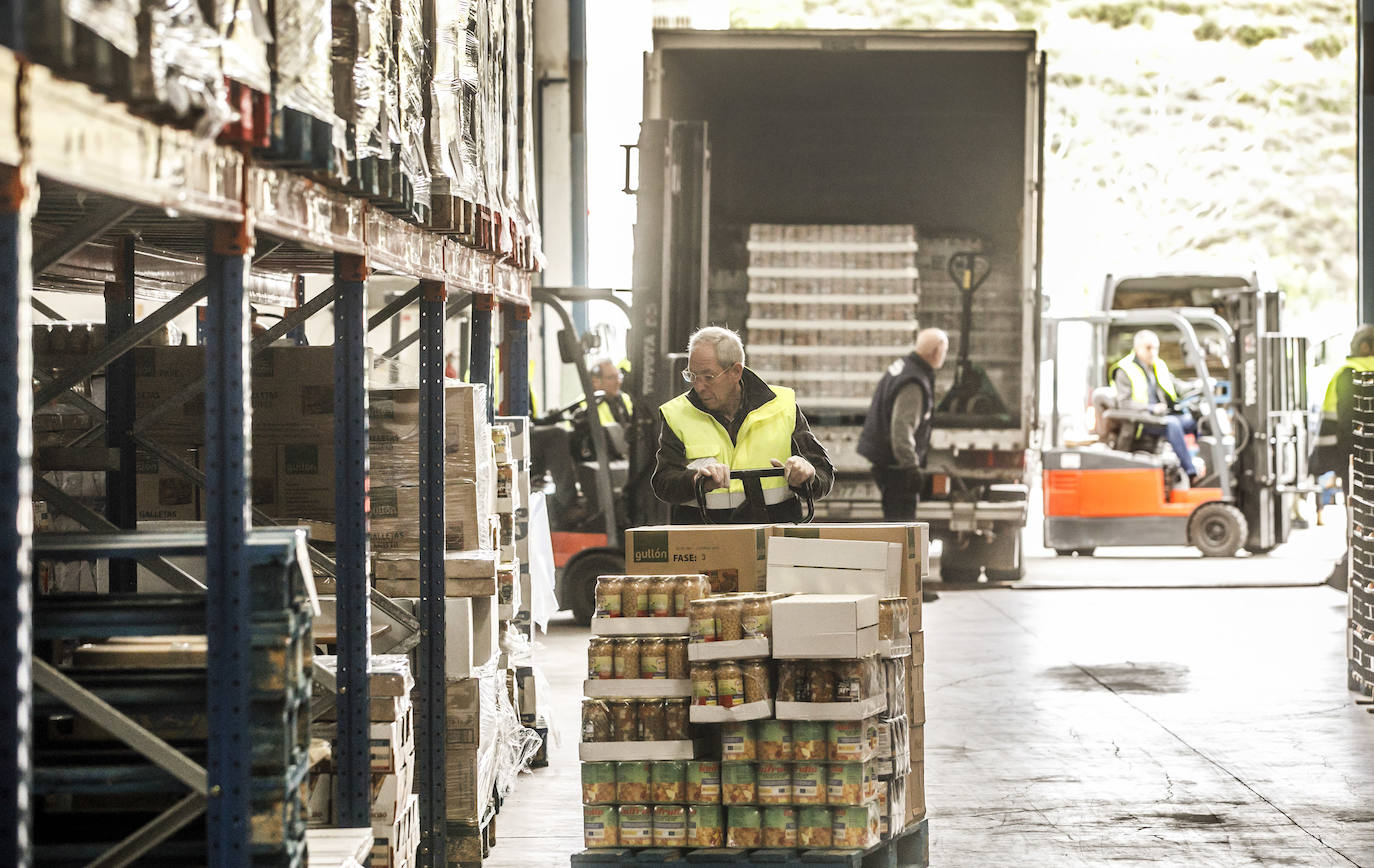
(805, 444)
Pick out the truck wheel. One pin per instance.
(1217, 529)
(579, 580)
(959, 575)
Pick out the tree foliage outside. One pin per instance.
(1176, 133)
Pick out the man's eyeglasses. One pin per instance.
(691, 377)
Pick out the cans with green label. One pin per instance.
(738, 785)
(848, 741)
(703, 782)
(636, 826)
(600, 826)
(774, 740)
(598, 783)
(774, 783)
(744, 827)
(847, 783)
(670, 826)
(669, 782)
(632, 782)
(705, 826)
(779, 826)
(809, 783)
(813, 827)
(809, 740)
(737, 741)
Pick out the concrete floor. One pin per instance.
(1177, 726)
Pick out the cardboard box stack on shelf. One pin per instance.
(807, 709)
(395, 810)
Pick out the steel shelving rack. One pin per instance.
(75, 161)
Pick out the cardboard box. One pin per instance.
(914, 539)
(733, 557)
(916, 694)
(162, 493)
(466, 574)
(800, 565)
(470, 748)
(825, 626)
(519, 436)
(395, 521)
(394, 845)
(916, 793)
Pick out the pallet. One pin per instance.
(909, 849)
(301, 142)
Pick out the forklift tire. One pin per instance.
(579, 579)
(1217, 529)
(960, 575)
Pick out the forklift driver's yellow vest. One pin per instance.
(1140, 384)
(765, 434)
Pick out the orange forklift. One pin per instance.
(1115, 485)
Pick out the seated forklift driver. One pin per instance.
(732, 419)
(1142, 379)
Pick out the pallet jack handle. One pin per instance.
(753, 493)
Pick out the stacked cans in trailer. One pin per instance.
(798, 727)
(830, 307)
(1360, 639)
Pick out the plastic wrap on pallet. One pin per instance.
(510, 111)
(245, 33)
(514, 743)
(112, 20)
(529, 196)
(456, 96)
(304, 81)
(411, 81)
(178, 64)
(361, 50)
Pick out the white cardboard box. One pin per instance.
(636, 688)
(825, 626)
(819, 566)
(470, 633)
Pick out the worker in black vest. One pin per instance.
(896, 431)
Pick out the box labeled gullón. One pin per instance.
(733, 557)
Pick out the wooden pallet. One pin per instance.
(909, 849)
(468, 846)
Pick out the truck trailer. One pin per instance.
(832, 152)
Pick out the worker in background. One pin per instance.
(1336, 437)
(1142, 379)
(732, 419)
(614, 405)
(896, 433)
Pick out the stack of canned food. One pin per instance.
(731, 617)
(634, 657)
(730, 683)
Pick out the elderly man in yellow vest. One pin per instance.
(1143, 380)
(732, 419)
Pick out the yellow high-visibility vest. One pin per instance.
(765, 434)
(1140, 383)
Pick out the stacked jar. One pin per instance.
(637, 776)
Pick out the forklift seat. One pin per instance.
(1117, 425)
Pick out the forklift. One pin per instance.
(1119, 486)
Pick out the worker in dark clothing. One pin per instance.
(896, 431)
(1143, 380)
(1330, 460)
(732, 419)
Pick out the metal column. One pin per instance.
(228, 422)
(297, 334)
(516, 356)
(350, 507)
(479, 369)
(432, 677)
(17, 186)
(121, 492)
(1365, 301)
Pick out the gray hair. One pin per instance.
(595, 365)
(1144, 336)
(727, 344)
(1364, 336)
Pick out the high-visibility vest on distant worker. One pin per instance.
(1331, 451)
(1140, 383)
(608, 415)
(765, 434)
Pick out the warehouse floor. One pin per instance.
(1080, 727)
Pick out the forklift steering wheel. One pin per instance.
(753, 492)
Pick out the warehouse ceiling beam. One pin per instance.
(79, 234)
(393, 307)
(144, 329)
(94, 521)
(453, 308)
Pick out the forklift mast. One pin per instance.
(669, 286)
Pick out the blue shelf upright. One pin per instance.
(480, 359)
(121, 493)
(516, 355)
(228, 424)
(17, 187)
(351, 512)
(432, 677)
